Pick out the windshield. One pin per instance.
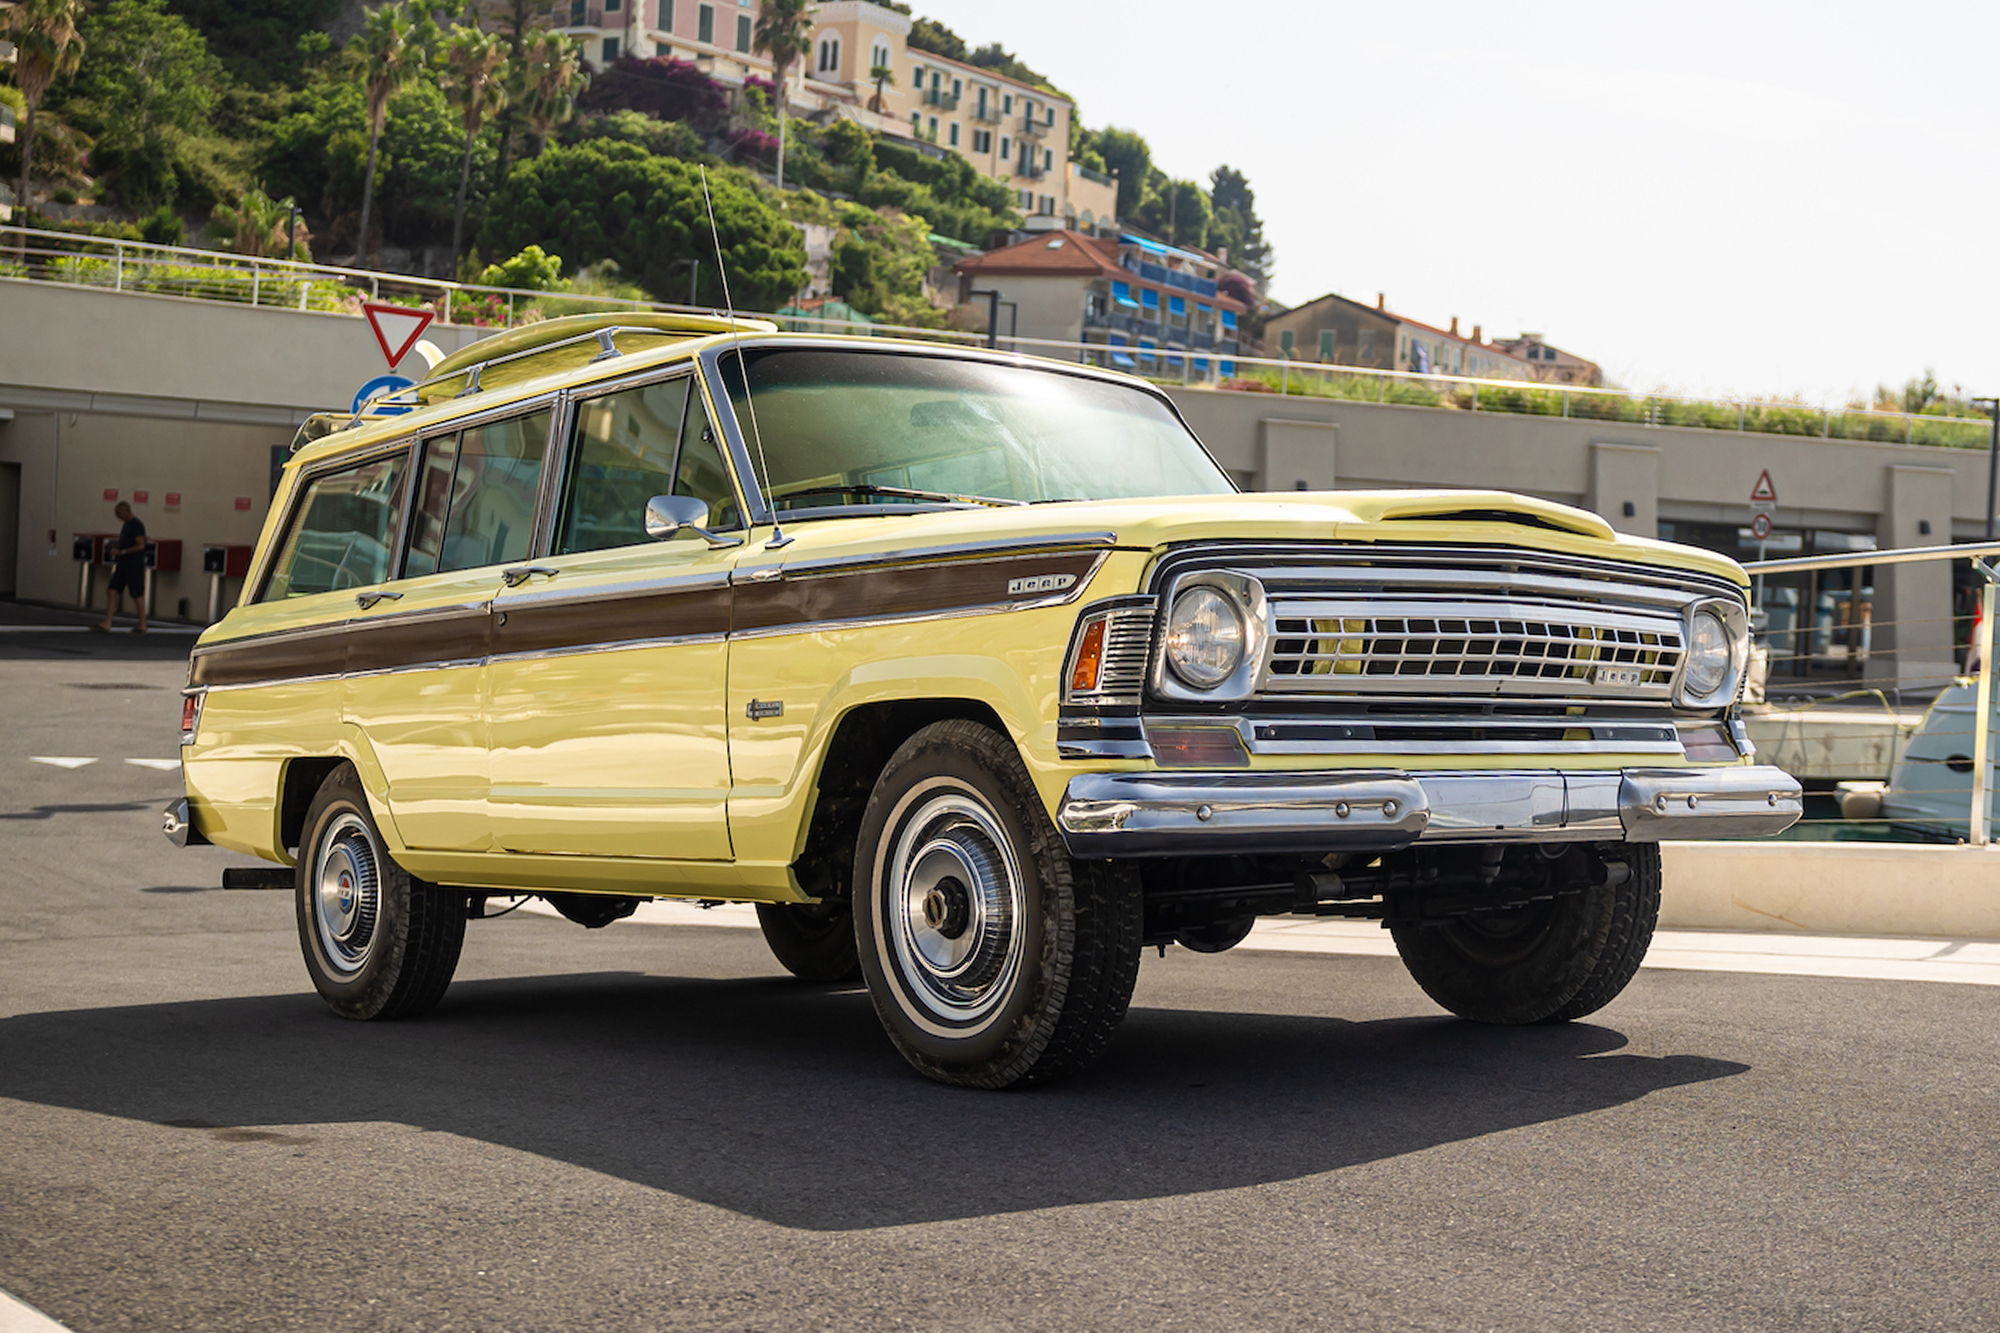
(845, 427)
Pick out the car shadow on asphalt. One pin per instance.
(785, 1102)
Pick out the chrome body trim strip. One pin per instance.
(276, 683)
(455, 664)
(910, 618)
(1197, 813)
(615, 646)
(937, 555)
(554, 594)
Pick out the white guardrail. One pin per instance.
(211, 275)
(1982, 556)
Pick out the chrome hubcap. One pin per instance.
(347, 893)
(954, 908)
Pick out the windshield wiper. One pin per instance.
(865, 489)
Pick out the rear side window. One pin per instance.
(476, 496)
(630, 447)
(344, 533)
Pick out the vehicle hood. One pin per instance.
(1487, 518)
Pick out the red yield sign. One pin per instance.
(396, 328)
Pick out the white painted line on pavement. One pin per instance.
(63, 760)
(1960, 962)
(17, 1316)
(164, 765)
(1963, 962)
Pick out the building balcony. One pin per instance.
(1031, 128)
(941, 99)
(987, 113)
(1202, 341)
(1167, 277)
(1090, 175)
(1117, 321)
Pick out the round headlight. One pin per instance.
(1708, 656)
(1205, 637)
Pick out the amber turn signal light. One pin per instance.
(1089, 659)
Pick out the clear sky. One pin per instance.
(1756, 198)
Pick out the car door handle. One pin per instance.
(366, 600)
(520, 574)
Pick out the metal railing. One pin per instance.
(1907, 787)
(211, 275)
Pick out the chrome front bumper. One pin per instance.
(1191, 813)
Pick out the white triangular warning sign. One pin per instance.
(1764, 490)
(396, 328)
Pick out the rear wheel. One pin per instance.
(1540, 962)
(378, 943)
(814, 941)
(992, 957)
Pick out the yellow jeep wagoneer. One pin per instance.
(975, 673)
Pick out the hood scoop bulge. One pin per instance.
(1495, 507)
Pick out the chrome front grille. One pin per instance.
(1481, 645)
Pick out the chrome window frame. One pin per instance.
(260, 573)
(563, 446)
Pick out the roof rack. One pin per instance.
(554, 334)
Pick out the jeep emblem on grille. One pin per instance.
(1618, 675)
(1039, 583)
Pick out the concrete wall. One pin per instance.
(88, 340)
(107, 391)
(1698, 473)
(1891, 491)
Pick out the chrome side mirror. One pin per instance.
(673, 515)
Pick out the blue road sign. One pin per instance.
(380, 385)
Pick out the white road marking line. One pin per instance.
(62, 760)
(17, 1316)
(1959, 962)
(164, 765)
(1962, 962)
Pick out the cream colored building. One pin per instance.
(1011, 131)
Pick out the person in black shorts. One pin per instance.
(128, 569)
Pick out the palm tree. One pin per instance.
(48, 47)
(784, 33)
(884, 77)
(389, 51)
(256, 224)
(555, 79)
(474, 64)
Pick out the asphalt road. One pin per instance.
(649, 1127)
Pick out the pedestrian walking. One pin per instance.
(128, 569)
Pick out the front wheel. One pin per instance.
(992, 957)
(1540, 962)
(378, 943)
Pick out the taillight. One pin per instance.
(190, 715)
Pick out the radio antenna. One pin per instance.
(778, 537)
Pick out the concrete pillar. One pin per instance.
(1297, 455)
(1912, 635)
(1625, 487)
